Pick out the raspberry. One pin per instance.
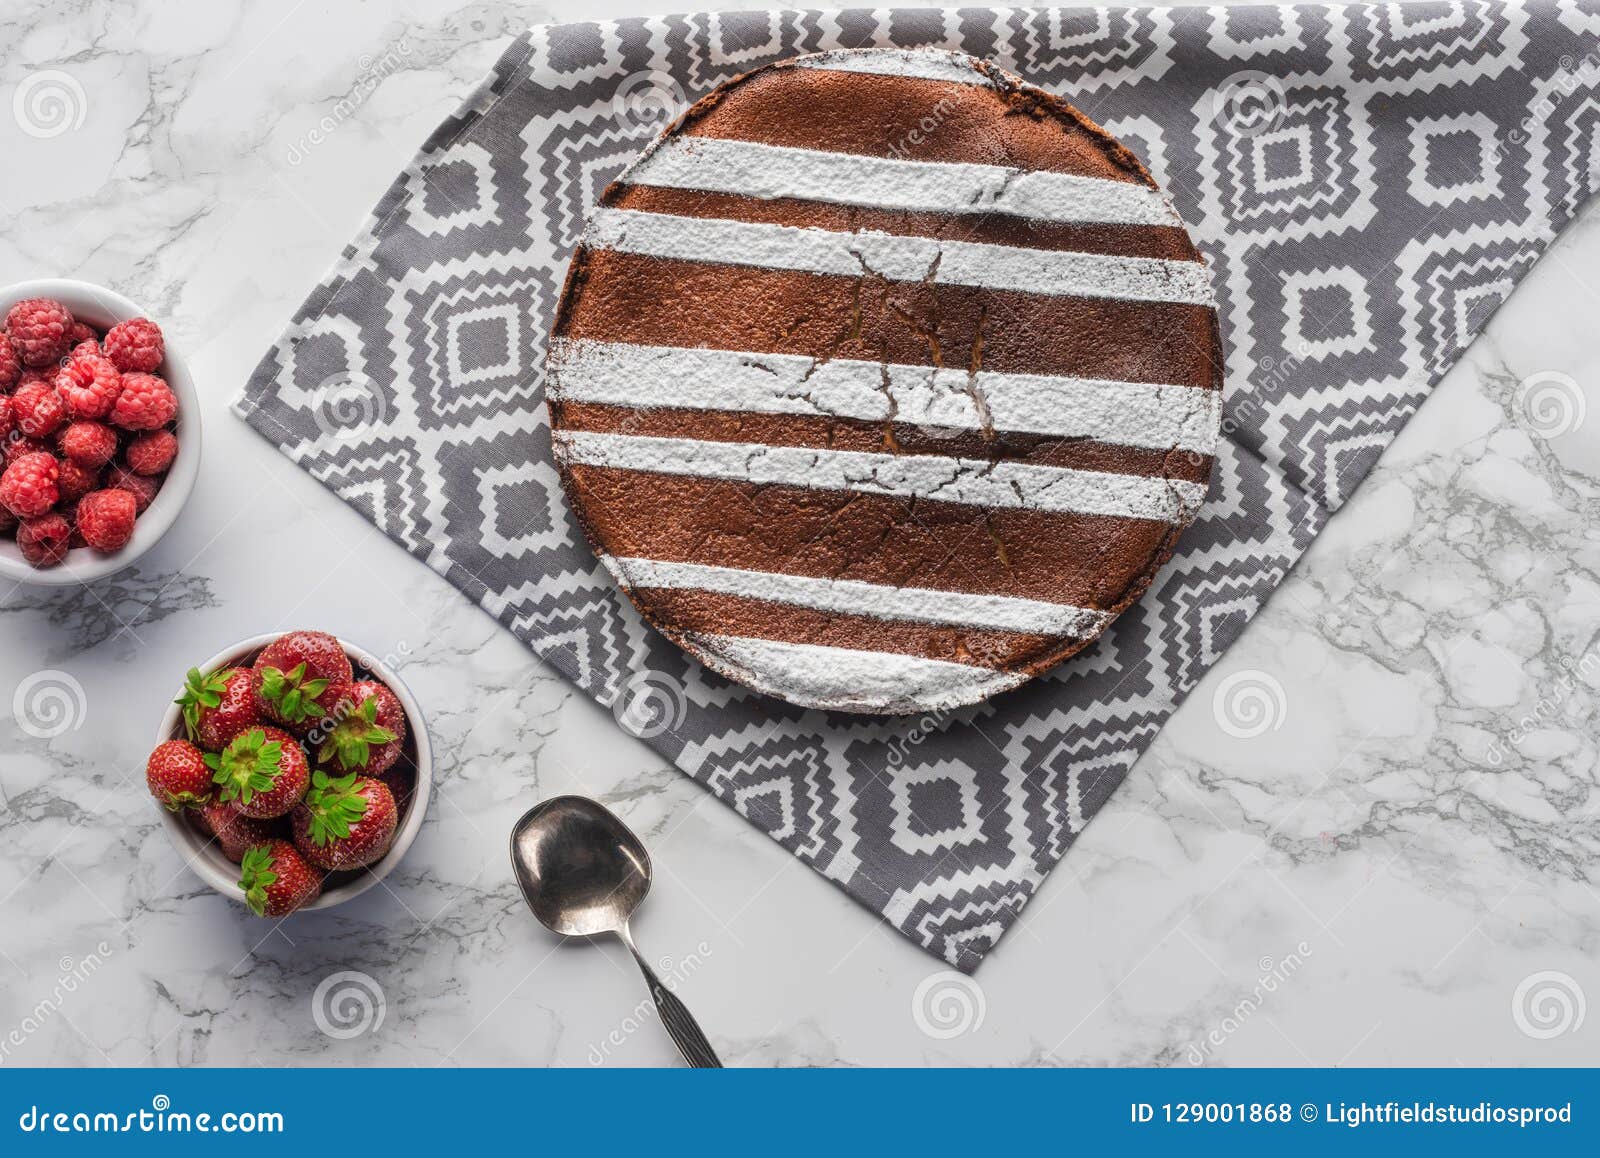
(106, 519)
(151, 453)
(20, 444)
(10, 364)
(40, 329)
(74, 480)
(135, 345)
(90, 385)
(92, 444)
(82, 332)
(89, 349)
(44, 540)
(28, 486)
(8, 417)
(145, 403)
(39, 409)
(32, 374)
(141, 488)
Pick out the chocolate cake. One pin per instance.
(883, 381)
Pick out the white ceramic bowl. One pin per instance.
(202, 853)
(103, 309)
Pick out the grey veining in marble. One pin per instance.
(1397, 864)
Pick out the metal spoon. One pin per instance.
(583, 873)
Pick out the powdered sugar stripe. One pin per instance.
(843, 679)
(925, 64)
(938, 478)
(854, 597)
(754, 169)
(1158, 417)
(896, 258)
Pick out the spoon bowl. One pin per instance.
(581, 870)
(582, 873)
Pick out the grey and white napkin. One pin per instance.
(1368, 183)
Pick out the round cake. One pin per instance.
(883, 381)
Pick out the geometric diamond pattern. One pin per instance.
(1368, 184)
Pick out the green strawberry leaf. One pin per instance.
(247, 766)
(179, 801)
(335, 804)
(294, 696)
(256, 877)
(200, 691)
(350, 742)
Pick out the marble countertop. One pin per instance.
(1403, 867)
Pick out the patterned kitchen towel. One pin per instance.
(1368, 184)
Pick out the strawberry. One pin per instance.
(300, 679)
(344, 823)
(264, 769)
(400, 781)
(370, 727)
(277, 880)
(235, 832)
(177, 775)
(217, 707)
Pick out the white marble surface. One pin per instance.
(1422, 852)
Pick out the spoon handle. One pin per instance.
(675, 1015)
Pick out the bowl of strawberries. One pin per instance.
(99, 433)
(293, 771)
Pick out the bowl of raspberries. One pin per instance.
(293, 771)
(99, 433)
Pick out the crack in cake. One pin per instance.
(883, 381)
